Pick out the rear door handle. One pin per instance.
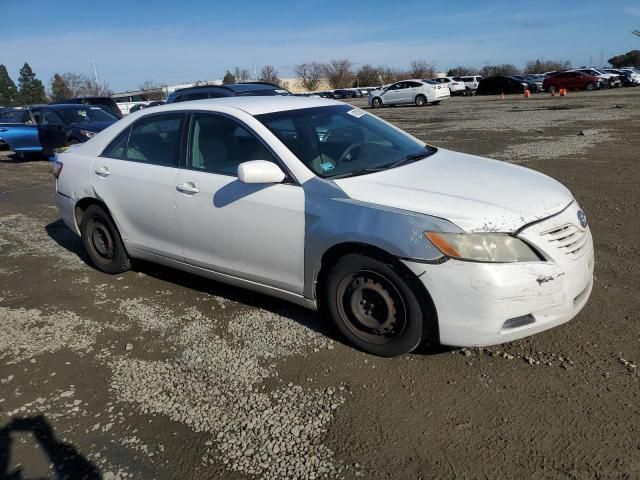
(188, 188)
(103, 172)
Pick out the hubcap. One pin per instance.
(371, 307)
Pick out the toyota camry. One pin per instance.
(327, 206)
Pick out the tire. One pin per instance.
(553, 89)
(392, 323)
(420, 100)
(591, 87)
(102, 241)
(376, 102)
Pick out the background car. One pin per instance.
(500, 84)
(259, 89)
(142, 106)
(456, 87)
(571, 80)
(629, 78)
(417, 92)
(471, 82)
(43, 128)
(607, 80)
(107, 103)
(532, 83)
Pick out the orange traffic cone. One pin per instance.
(563, 92)
(527, 93)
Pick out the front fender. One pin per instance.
(332, 218)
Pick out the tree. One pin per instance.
(228, 78)
(241, 74)
(93, 88)
(629, 59)
(542, 66)
(309, 75)
(421, 69)
(269, 74)
(8, 90)
(390, 75)
(367, 76)
(30, 89)
(504, 69)
(59, 88)
(461, 71)
(153, 91)
(338, 73)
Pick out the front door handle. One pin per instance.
(188, 188)
(103, 172)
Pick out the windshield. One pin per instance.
(342, 141)
(82, 114)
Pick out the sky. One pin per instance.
(170, 42)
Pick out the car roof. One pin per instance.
(233, 87)
(251, 105)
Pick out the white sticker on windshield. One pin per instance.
(357, 112)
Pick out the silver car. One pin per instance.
(418, 92)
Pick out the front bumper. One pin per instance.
(481, 304)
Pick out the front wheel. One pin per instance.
(421, 100)
(102, 241)
(376, 103)
(373, 306)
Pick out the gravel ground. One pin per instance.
(160, 374)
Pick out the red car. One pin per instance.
(571, 81)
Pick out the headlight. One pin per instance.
(483, 247)
(88, 133)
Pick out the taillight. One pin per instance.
(57, 168)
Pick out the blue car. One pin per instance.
(43, 128)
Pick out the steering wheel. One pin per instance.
(348, 151)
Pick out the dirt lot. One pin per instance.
(158, 374)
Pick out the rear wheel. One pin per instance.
(374, 307)
(102, 241)
(591, 86)
(376, 103)
(421, 100)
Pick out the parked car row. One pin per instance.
(575, 79)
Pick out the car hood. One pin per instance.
(475, 193)
(94, 126)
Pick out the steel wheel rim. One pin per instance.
(101, 241)
(371, 307)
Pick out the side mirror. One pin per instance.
(260, 171)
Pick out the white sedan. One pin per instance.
(330, 207)
(417, 92)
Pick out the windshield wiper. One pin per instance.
(358, 171)
(410, 158)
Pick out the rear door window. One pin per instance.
(156, 139)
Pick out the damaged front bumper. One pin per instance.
(481, 304)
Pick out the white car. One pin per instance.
(471, 83)
(325, 205)
(456, 87)
(418, 92)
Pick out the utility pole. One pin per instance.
(95, 70)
